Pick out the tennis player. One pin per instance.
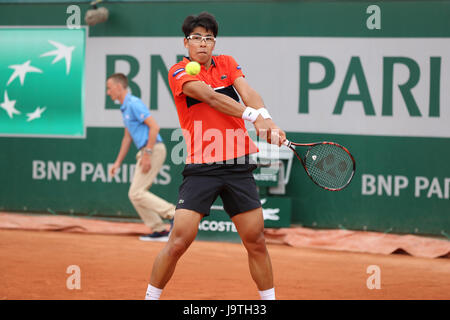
(218, 148)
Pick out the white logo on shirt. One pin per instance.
(180, 75)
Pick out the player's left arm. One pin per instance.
(252, 98)
(249, 96)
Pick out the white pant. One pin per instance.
(150, 207)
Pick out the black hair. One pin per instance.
(204, 19)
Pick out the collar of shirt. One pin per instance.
(125, 102)
(213, 63)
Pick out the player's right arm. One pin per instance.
(124, 147)
(222, 103)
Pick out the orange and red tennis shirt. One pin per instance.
(210, 135)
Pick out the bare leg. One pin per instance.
(183, 233)
(250, 226)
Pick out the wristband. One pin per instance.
(250, 114)
(264, 113)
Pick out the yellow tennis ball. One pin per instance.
(193, 68)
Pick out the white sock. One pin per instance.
(268, 294)
(153, 293)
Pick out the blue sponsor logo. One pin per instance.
(177, 72)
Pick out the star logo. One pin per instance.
(41, 62)
(61, 52)
(20, 70)
(35, 114)
(8, 106)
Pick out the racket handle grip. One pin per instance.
(287, 143)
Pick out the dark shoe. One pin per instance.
(162, 236)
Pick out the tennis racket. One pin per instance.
(328, 164)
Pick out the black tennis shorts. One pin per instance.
(203, 183)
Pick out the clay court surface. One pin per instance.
(33, 265)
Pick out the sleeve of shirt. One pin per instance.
(234, 69)
(140, 111)
(177, 78)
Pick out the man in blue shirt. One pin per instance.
(142, 129)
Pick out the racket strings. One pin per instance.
(329, 165)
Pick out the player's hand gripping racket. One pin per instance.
(328, 164)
